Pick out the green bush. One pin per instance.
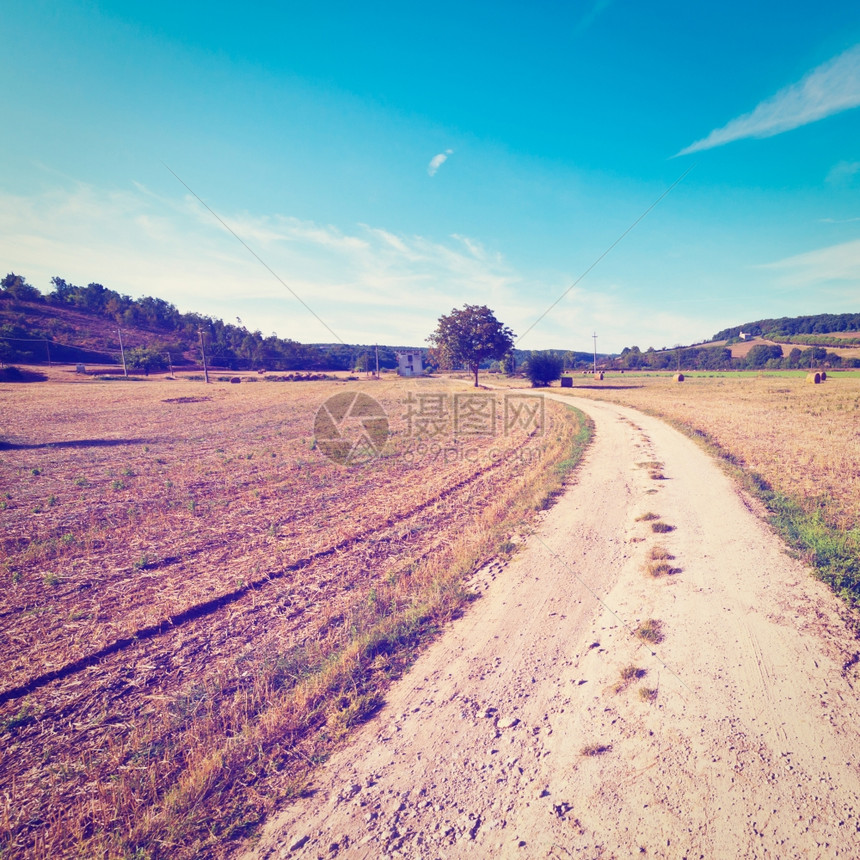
(542, 368)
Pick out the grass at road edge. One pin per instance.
(833, 554)
(227, 790)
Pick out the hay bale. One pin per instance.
(679, 377)
(814, 378)
(235, 380)
(823, 375)
(599, 375)
(567, 382)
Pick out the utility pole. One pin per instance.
(170, 365)
(203, 350)
(595, 351)
(122, 353)
(48, 350)
(377, 361)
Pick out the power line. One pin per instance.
(606, 252)
(261, 260)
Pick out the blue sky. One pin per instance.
(391, 161)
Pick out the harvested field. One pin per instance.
(199, 604)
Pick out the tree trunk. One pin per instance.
(475, 369)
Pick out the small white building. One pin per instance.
(410, 363)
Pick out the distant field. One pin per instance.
(198, 603)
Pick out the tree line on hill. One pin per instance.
(789, 327)
(170, 335)
(760, 357)
(175, 335)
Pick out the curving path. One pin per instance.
(747, 745)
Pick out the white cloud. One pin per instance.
(828, 89)
(842, 174)
(834, 263)
(438, 160)
(367, 284)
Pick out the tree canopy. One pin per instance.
(469, 336)
(543, 368)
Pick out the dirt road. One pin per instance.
(739, 738)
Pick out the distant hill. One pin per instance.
(825, 340)
(819, 324)
(82, 324)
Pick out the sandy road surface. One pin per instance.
(749, 748)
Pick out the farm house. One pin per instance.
(410, 363)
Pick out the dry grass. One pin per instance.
(660, 568)
(595, 749)
(199, 605)
(650, 631)
(629, 674)
(658, 565)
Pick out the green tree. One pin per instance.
(63, 292)
(543, 368)
(469, 336)
(147, 358)
(16, 287)
(762, 353)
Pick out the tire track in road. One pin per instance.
(479, 751)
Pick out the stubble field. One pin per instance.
(198, 604)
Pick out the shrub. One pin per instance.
(543, 368)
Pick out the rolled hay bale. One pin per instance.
(235, 380)
(599, 375)
(679, 377)
(823, 375)
(814, 378)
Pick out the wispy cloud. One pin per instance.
(828, 89)
(842, 174)
(834, 263)
(437, 161)
(367, 282)
(589, 18)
